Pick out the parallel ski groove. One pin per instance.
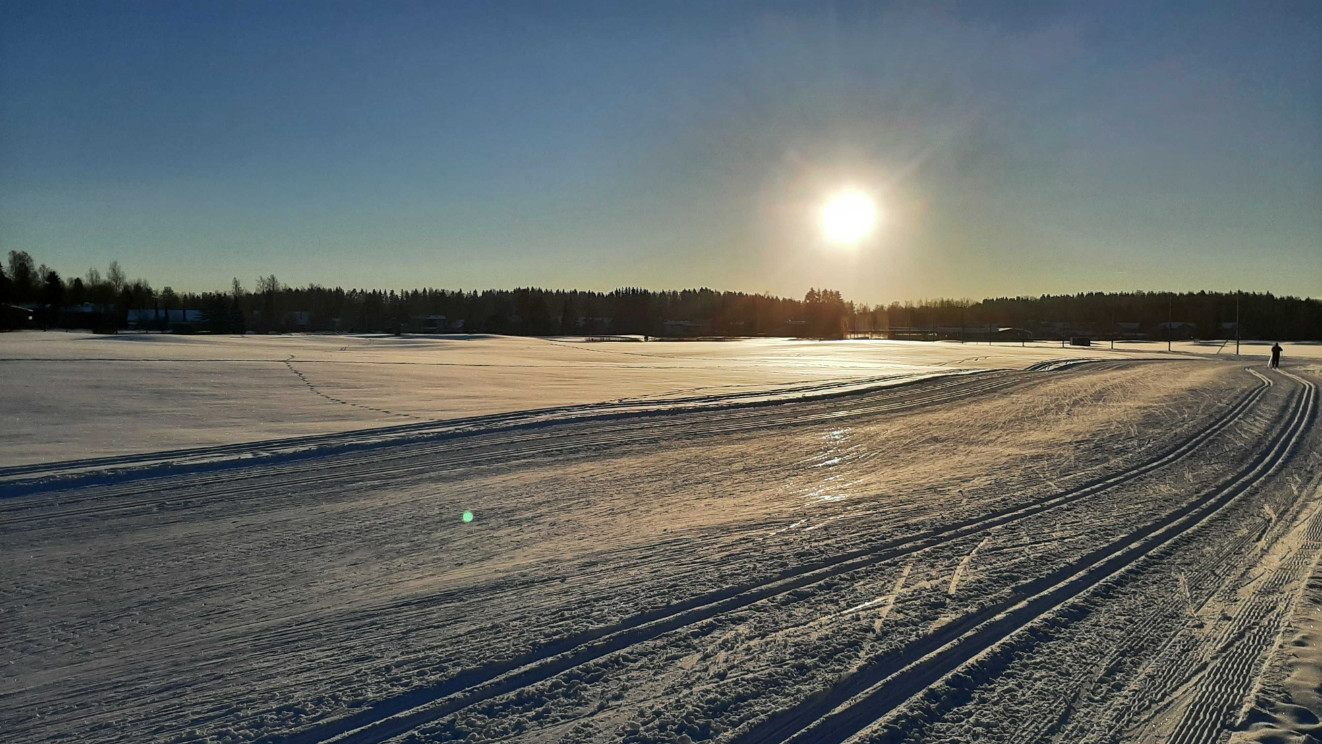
(513, 423)
(406, 712)
(835, 715)
(417, 458)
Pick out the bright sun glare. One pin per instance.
(849, 217)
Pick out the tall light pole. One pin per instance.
(1170, 318)
(1237, 322)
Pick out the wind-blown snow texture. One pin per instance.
(1112, 551)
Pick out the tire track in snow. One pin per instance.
(396, 716)
(856, 702)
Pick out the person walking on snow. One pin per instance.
(1276, 355)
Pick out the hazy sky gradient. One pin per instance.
(1028, 149)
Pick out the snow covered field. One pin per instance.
(77, 396)
(1003, 549)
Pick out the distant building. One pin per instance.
(143, 319)
(15, 316)
(1011, 333)
(1129, 331)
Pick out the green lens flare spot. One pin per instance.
(468, 516)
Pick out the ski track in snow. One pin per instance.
(659, 575)
(963, 566)
(857, 703)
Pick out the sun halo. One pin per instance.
(849, 217)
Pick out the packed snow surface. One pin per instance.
(77, 395)
(764, 541)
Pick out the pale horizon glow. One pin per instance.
(1009, 150)
(849, 217)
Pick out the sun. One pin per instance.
(849, 217)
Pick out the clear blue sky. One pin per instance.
(1030, 148)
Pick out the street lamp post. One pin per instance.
(1170, 319)
(1237, 322)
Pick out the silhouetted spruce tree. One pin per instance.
(52, 299)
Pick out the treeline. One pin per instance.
(536, 312)
(1202, 315)
(36, 295)
(112, 301)
(46, 296)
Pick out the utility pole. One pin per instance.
(1237, 322)
(1170, 318)
(1113, 327)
